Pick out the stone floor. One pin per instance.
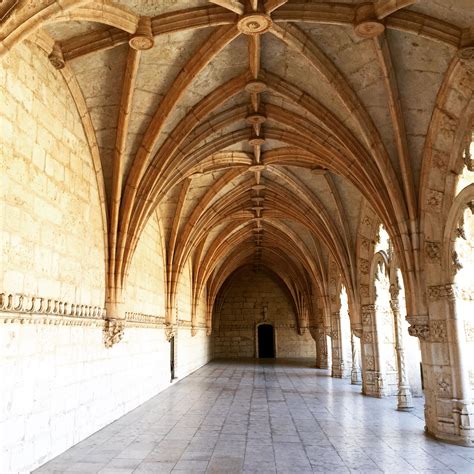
(284, 417)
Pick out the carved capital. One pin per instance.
(170, 331)
(421, 331)
(56, 57)
(113, 332)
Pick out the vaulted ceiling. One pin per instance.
(256, 130)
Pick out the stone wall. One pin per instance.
(51, 224)
(145, 284)
(234, 330)
(59, 382)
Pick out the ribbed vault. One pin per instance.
(258, 131)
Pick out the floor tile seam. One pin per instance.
(318, 424)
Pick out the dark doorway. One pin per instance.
(172, 358)
(266, 342)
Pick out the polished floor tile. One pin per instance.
(272, 417)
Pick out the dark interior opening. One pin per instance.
(172, 358)
(266, 344)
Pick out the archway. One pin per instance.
(266, 341)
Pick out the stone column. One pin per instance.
(337, 366)
(355, 370)
(405, 400)
(449, 411)
(367, 350)
(321, 349)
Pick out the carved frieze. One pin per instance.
(439, 292)
(113, 332)
(19, 303)
(144, 320)
(25, 309)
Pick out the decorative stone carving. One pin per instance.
(143, 38)
(368, 337)
(438, 331)
(434, 200)
(367, 311)
(364, 291)
(113, 332)
(256, 119)
(364, 266)
(438, 292)
(421, 331)
(39, 306)
(144, 320)
(254, 23)
(433, 250)
(457, 265)
(439, 160)
(369, 362)
(444, 386)
(170, 331)
(256, 86)
(56, 57)
(366, 23)
(466, 53)
(365, 243)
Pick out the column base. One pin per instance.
(405, 400)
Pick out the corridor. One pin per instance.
(276, 416)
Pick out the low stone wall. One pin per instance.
(60, 383)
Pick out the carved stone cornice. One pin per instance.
(26, 309)
(144, 320)
(184, 323)
(113, 332)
